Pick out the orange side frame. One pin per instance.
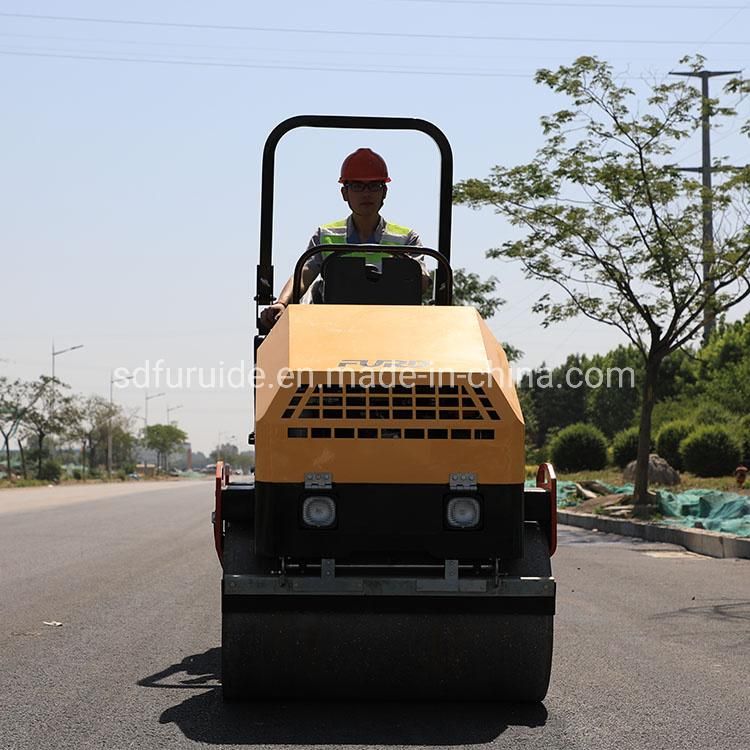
(547, 480)
(222, 480)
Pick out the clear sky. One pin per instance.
(131, 144)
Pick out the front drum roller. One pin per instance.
(337, 646)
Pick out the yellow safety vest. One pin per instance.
(335, 234)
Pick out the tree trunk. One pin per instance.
(7, 453)
(40, 440)
(640, 493)
(24, 473)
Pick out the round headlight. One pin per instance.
(319, 511)
(463, 512)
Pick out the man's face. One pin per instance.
(364, 198)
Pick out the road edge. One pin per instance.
(703, 542)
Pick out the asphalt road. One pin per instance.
(652, 645)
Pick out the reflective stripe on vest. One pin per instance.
(335, 234)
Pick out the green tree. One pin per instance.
(52, 414)
(617, 228)
(164, 438)
(225, 452)
(470, 290)
(16, 398)
(556, 400)
(613, 406)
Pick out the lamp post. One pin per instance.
(171, 409)
(57, 353)
(112, 381)
(148, 398)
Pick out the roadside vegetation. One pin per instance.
(50, 435)
(617, 231)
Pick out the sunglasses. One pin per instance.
(362, 187)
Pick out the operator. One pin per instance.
(364, 178)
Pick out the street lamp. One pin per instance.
(146, 400)
(112, 381)
(57, 353)
(171, 409)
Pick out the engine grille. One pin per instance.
(396, 405)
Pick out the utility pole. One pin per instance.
(709, 319)
(112, 381)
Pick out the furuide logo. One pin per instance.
(407, 363)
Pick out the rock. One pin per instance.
(596, 487)
(584, 493)
(589, 506)
(659, 472)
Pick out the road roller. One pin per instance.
(388, 547)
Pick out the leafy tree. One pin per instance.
(613, 406)
(16, 399)
(616, 227)
(556, 400)
(164, 438)
(245, 461)
(469, 290)
(225, 452)
(725, 367)
(53, 413)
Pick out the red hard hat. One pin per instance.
(364, 165)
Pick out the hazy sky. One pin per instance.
(130, 160)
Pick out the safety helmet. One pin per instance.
(364, 165)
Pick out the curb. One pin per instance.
(709, 543)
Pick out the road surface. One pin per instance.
(652, 643)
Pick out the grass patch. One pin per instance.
(613, 476)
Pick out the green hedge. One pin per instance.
(625, 447)
(710, 451)
(579, 447)
(668, 441)
(745, 438)
(51, 471)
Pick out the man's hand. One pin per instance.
(271, 314)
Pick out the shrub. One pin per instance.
(625, 447)
(668, 441)
(77, 474)
(745, 438)
(51, 471)
(711, 413)
(710, 451)
(579, 446)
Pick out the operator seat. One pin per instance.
(351, 280)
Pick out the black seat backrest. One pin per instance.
(352, 281)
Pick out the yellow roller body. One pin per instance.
(443, 398)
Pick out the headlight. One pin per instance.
(319, 512)
(463, 513)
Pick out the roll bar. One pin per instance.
(264, 279)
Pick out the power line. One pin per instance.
(531, 3)
(255, 48)
(350, 33)
(262, 66)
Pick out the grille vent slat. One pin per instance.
(423, 403)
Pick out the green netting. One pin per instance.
(716, 511)
(727, 512)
